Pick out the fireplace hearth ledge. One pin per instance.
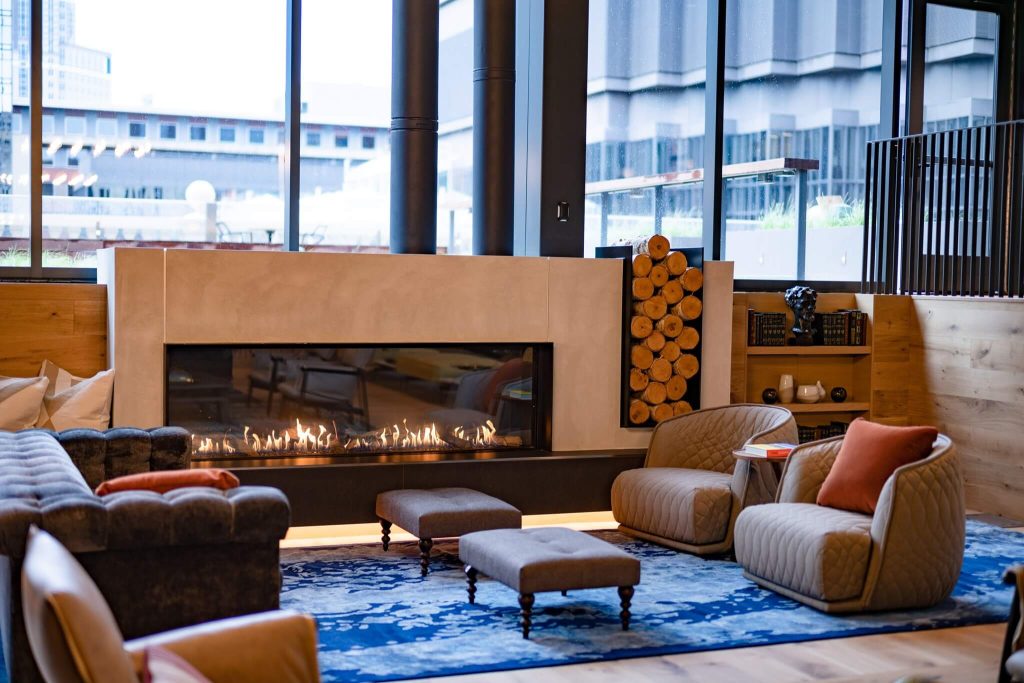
(343, 490)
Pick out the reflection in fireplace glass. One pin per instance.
(289, 401)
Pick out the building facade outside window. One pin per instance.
(227, 134)
(256, 136)
(168, 131)
(313, 139)
(341, 141)
(802, 80)
(136, 129)
(197, 133)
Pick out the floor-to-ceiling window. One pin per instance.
(164, 133)
(455, 128)
(802, 81)
(345, 167)
(645, 116)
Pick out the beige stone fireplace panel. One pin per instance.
(159, 297)
(281, 297)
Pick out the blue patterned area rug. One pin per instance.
(380, 621)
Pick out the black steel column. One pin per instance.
(892, 48)
(292, 120)
(414, 45)
(494, 110)
(35, 131)
(914, 98)
(714, 96)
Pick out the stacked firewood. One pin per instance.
(664, 301)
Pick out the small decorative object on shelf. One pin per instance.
(786, 388)
(802, 300)
(770, 396)
(838, 394)
(810, 393)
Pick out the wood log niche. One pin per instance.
(665, 329)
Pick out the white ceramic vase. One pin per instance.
(786, 389)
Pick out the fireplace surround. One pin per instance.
(159, 298)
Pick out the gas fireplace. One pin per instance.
(294, 401)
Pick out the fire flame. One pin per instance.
(320, 439)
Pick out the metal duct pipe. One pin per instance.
(494, 102)
(414, 50)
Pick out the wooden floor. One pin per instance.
(961, 655)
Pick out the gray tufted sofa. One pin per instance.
(162, 561)
(905, 556)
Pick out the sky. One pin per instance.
(227, 57)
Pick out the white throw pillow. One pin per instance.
(21, 399)
(75, 403)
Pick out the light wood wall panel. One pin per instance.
(968, 380)
(65, 323)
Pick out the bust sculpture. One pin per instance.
(802, 300)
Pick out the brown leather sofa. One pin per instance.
(691, 487)
(905, 556)
(75, 638)
(161, 561)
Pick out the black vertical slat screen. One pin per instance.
(944, 213)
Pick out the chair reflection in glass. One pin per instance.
(336, 385)
(268, 371)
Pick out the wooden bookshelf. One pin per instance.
(828, 407)
(808, 350)
(872, 374)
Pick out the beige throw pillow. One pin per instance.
(73, 402)
(21, 399)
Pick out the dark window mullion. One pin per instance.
(35, 175)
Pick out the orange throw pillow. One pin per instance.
(165, 481)
(869, 455)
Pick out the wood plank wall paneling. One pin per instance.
(65, 323)
(968, 380)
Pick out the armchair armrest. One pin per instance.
(806, 469)
(920, 514)
(269, 647)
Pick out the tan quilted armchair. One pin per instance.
(691, 487)
(75, 639)
(906, 556)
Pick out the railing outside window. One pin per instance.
(669, 203)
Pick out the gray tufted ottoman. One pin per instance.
(442, 513)
(548, 559)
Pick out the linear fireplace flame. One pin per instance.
(306, 440)
(325, 401)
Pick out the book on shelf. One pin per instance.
(765, 328)
(768, 450)
(809, 433)
(844, 327)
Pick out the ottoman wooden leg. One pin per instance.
(526, 604)
(625, 595)
(385, 533)
(425, 545)
(471, 588)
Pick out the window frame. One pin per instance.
(541, 113)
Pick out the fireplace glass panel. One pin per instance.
(288, 401)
